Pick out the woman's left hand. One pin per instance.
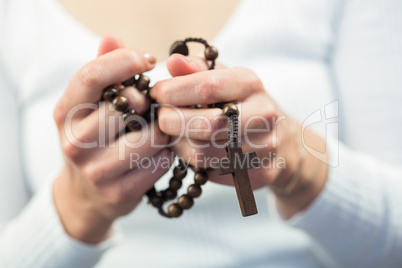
(199, 135)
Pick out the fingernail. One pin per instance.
(186, 58)
(151, 59)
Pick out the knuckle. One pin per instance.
(122, 194)
(71, 151)
(267, 113)
(201, 126)
(162, 92)
(93, 172)
(274, 146)
(274, 142)
(274, 114)
(255, 82)
(89, 75)
(208, 89)
(271, 115)
(116, 198)
(266, 117)
(252, 79)
(58, 115)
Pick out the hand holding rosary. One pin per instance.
(236, 162)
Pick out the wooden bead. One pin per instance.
(200, 178)
(156, 201)
(129, 82)
(110, 93)
(132, 120)
(185, 201)
(179, 173)
(174, 210)
(179, 47)
(169, 194)
(143, 82)
(175, 184)
(230, 109)
(194, 190)
(211, 53)
(120, 103)
(128, 114)
(134, 125)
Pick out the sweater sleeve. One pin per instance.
(357, 218)
(31, 234)
(36, 238)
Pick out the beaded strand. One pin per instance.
(135, 121)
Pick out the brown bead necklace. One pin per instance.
(134, 122)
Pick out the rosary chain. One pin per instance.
(134, 122)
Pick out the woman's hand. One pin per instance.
(101, 179)
(264, 128)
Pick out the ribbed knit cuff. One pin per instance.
(36, 238)
(351, 195)
(357, 212)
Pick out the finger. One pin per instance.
(126, 154)
(179, 65)
(207, 155)
(196, 123)
(272, 163)
(109, 43)
(136, 99)
(211, 124)
(87, 85)
(132, 185)
(150, 173)
(105, 123)
(207, 87)
(79, 137)
(100, 127)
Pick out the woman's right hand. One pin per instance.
(101, 183)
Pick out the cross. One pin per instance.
(237, 164)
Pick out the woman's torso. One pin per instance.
(151, 25)
(279, 40)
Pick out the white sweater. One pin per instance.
(319, 58)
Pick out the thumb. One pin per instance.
(179, 65)
(109, 43)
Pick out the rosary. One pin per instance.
(236, 162)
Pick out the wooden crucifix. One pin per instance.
(238, 163)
